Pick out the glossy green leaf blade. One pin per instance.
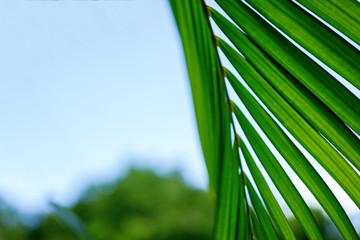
(242, 226)
(313, 36)
(211, 108)
(242, 223)
(256, 224)
(224, 226)
(196, 39)
(296, 160)
(280, 179)
(227, 202)
(317, 146)
(225, 222)
(236, 197)
(310, 107)
(332, 93)
(226, 215)
(344, 15)
(264, 219)
(268, 197)
(300, 165)
(242, 218)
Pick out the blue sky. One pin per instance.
(87, 89)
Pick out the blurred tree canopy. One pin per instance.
(141, 206)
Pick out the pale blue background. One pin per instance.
(88, 88)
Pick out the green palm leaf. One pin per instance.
(289, 96)
(310, 107)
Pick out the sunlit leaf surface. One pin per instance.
(288, 108)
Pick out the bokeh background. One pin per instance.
(97, 118)
(89, 88)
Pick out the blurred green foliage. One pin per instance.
(141, 206)
(11, 226)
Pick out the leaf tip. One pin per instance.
(209, 9)
(237, 140)
(217, 40)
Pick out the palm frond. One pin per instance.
(284, 89)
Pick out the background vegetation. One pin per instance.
(138, 207)
(141, 206)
